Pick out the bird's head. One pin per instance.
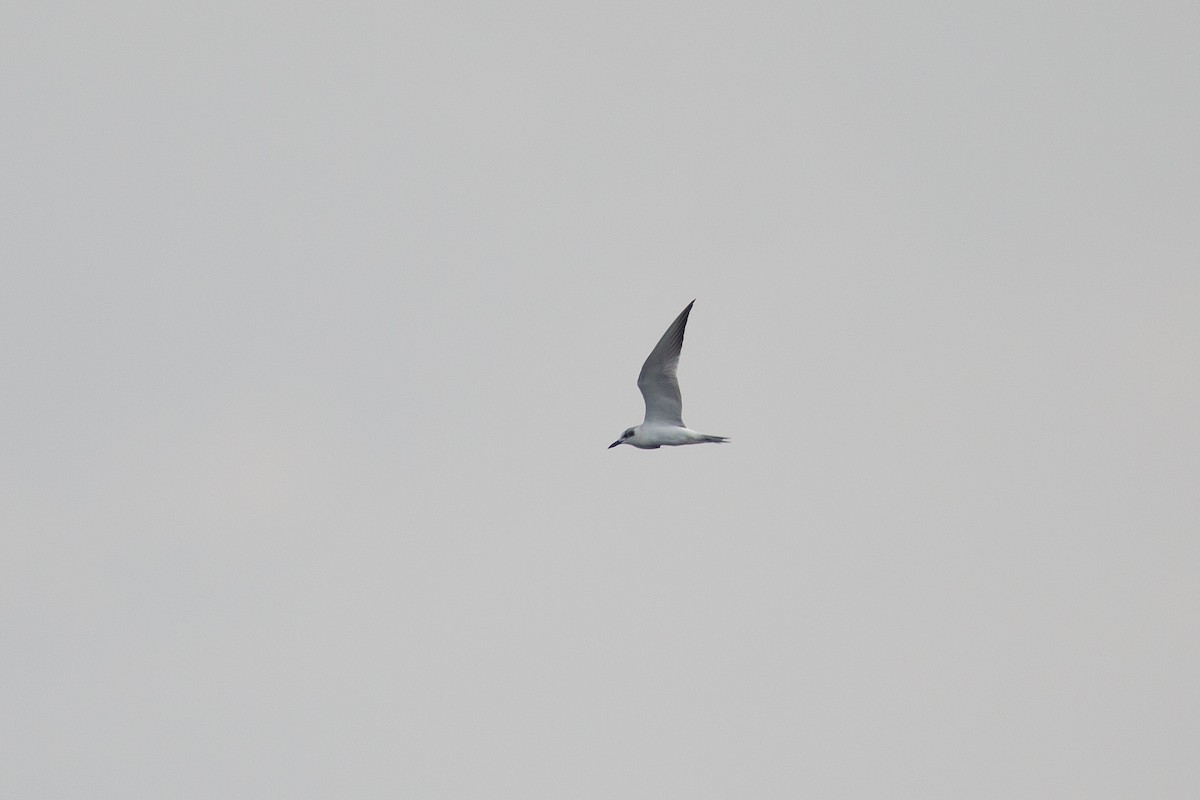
(628, 434)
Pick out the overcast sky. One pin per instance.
(316, 321)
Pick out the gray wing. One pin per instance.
(660, 387)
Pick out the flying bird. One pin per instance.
(660, 389)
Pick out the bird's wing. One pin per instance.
(658, 383)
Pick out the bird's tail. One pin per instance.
(704, 437)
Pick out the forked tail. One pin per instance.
(707, 438)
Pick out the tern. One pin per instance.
(660, 389)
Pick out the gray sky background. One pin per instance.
(317, 320)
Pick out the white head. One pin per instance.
(628, 434)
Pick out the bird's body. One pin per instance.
(664, 404)
(649, 436)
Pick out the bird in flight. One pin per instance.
(660, 389)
